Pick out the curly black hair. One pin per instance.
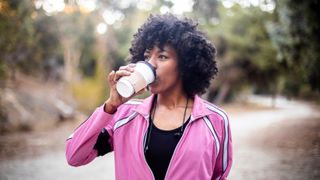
(196, 55)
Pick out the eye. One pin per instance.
(146, 57)
(163, 57)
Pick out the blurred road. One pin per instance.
(41, 156)
(280, 143)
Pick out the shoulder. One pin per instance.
(218, 119)
(217, 115)
(216, 109)
(127, 108)
(134, 102)
(126, 113)
(130, 104)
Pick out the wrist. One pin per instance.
(109, 107)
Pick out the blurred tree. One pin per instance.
(87, 62)
(48, 49)
(206, 12)
(31, 40)
(295, 34)
(245, 56)
(120, 33)
(16, 34)
(28, 41)
(70, 27)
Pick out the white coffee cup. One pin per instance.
(144, 74)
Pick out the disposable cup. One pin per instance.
(144, 74)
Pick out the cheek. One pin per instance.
(167, 73)
(169, 69)
(169, 77)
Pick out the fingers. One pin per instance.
(114, 76)
(123, 71)
(129, 67)
(111, 77)
(132, 65)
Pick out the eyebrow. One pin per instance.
(159, 51)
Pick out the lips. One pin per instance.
(155, 81)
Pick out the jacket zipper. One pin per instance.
(143, 144)
(175, 149)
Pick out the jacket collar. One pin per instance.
(200, 108)
(145, 107)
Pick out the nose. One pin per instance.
(152, 61)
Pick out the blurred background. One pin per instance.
(55, 56)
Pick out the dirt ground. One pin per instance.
(276, 143)
(296, 145)
(269, 143)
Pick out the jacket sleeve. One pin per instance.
(223, 161)
(85, 143)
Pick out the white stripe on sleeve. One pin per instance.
(124, 121)
(210, 126)
(226, 136)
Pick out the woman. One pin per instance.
(173, 134)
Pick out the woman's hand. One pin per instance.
(115, 99)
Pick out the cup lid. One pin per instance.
(124, 88)
(149, 71)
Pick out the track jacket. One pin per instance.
(203, 152)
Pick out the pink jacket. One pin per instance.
(203, 152)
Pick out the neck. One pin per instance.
(172, 100)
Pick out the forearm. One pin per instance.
(80, 146)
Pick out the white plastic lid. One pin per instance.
(147, 70)
(124, 88)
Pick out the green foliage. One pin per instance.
(296, 37)
(15, 33)
(206, 11)
(90, 92)
(27, 38)
(87, 40)
(246, 57)
(262, 51)
(3, 70)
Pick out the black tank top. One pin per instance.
(161, 148)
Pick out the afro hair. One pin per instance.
(196, 55)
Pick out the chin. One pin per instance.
(153, 89)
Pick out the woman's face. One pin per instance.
(165, 62)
